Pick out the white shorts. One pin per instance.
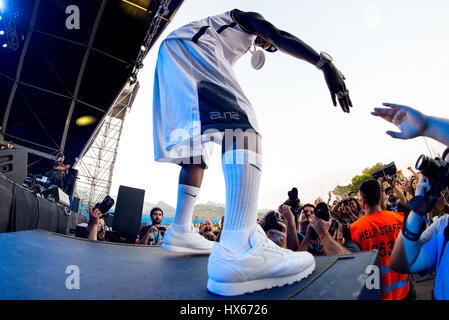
(196, 99)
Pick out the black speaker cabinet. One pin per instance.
(387, 170)
(128, 210)
(13, 164)
(75, 204)
(70, 181)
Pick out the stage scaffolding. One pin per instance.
(96, 165)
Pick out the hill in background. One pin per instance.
(210, 210)
(168, 210)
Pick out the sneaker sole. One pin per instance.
(240, 288)
(173, 248)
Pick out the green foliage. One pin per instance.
(342, 191)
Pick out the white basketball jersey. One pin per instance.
(220, 30)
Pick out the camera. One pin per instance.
(162, 228)
(207, 229)
(293, 202)
(322, 212)
(271, 221)
(437, 171)
(105, 205)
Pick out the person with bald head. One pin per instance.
(207, 232)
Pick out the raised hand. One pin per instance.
(286, 212)
(94, 215)
(320, 225)
(423, 186)
(279, 237)
(336, 84)
(410, 122)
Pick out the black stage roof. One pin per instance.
(53, 73)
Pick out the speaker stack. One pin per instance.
(13, 164)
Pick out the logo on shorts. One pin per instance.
(224, 115)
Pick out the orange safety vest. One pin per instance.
(378, 231)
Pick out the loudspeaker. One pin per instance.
(56, 194)
(387, 170)
(70, 181)
(128, 210)
(75, 204)
(13, 164)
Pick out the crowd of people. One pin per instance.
(404, 218)
(153, 233)
(370, 220)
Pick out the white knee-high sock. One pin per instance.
(187, 196)
(242, 171)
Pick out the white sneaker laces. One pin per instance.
(268, 244)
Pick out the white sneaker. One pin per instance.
(265, 265)
(187, 242)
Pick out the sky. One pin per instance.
(389, 51)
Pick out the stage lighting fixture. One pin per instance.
(133, 4)
(2, 5)
(5, 45)
(2, 32)
(85, 121)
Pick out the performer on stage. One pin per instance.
(198, 102)
(8, 146)
(59, 171)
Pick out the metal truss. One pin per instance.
(156, 23)
(96, 165)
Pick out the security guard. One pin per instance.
(378, 230)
